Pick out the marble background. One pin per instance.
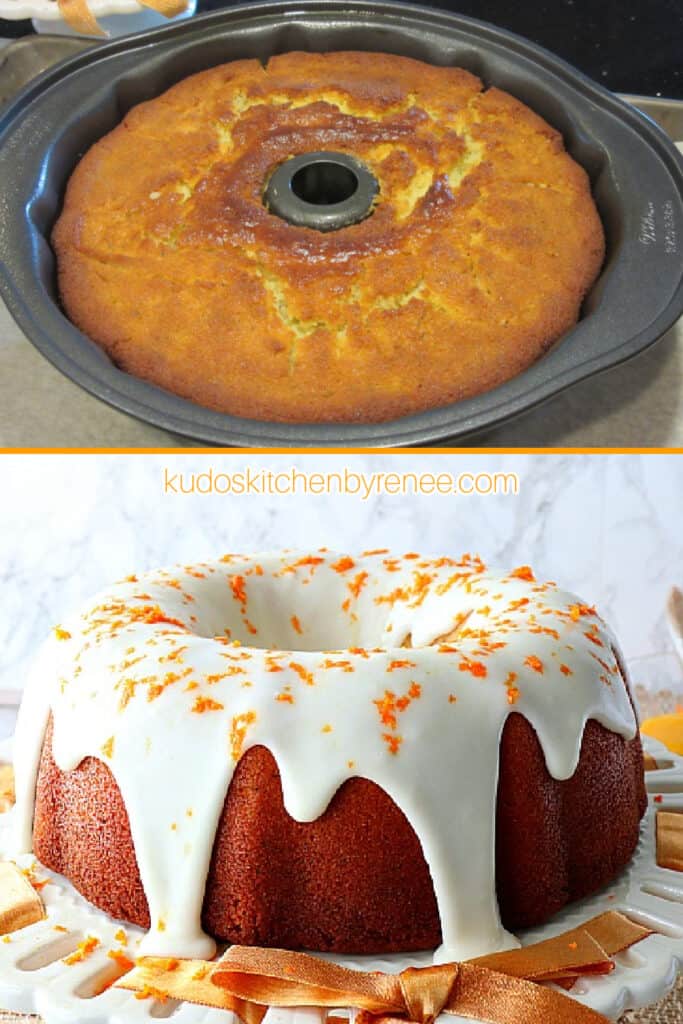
(607, 526)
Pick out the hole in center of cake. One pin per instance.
(324, 183)
(324, 191)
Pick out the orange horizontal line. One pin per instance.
(341, 451)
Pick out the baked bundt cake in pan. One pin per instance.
(356, 754)
(329, 237)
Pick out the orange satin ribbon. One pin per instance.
(78, 15)
(498, 989)
(670, 840)
(20, 904)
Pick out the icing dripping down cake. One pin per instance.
(356, 754)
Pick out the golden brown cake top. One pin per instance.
(480, 246)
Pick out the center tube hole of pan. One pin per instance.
(324, 183)
(325, 191)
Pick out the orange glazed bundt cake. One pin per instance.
(356, 754)
(339, 237)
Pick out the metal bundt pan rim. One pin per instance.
(22, 281)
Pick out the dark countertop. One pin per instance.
(633, 46)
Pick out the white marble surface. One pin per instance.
(607, 526)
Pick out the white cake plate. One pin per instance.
(34, 978)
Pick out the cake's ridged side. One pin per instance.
(81, 829)
(560, 841)
(355, 879)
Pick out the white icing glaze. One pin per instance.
(149, 679)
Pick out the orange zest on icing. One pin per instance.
(174, 655)
(237, 585)
(577, 610)
(82, 951)
(202, 704)
(392, 741)
(343, 565)
(592, 635)
(121, 959)
(512, 690)
(308, 561)
(354, 586)
(238, 732)
(304, 675)
(476, 668)
(389, 707)
(31, 877)
(523, 572)
(399, 594)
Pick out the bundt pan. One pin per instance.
(636, 172)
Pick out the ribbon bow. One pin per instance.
(498, 989)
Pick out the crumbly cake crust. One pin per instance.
(480, 249)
